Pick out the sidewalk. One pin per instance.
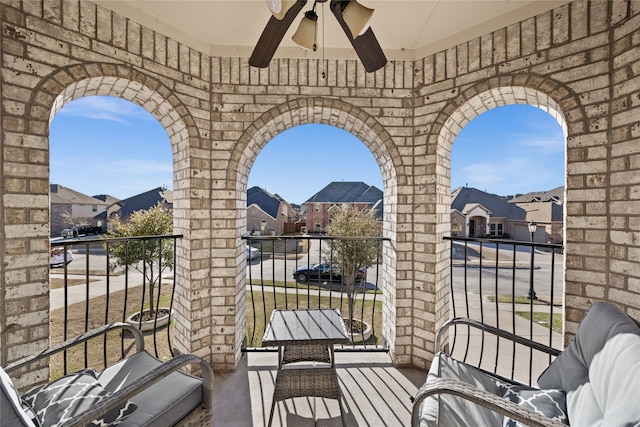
(97, 288)
(485, 349)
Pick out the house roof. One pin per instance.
(110, 200)
(556, 194)
(347, 192)
(65, 196)
(145, 200)
(462, 197)
(266, 201)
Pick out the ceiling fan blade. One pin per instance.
(272, 36)
(365, 45)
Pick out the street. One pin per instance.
(280, 268)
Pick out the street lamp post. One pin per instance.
(532, 231)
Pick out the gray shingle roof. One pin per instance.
(145, 200)
(463, 196)
(62, 195)
(347, 192)
(266, 201)
(541, 196)
(110, 200)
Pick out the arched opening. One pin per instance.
(301, 179)
(110, 148)
(479, 213)
(154, 98)
(365, 129)
(510, 157)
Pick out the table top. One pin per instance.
(305, 327)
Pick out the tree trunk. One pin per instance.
(151, 290)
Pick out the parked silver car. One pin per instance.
(252, 253)
(57, 258)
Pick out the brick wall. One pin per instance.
(578, 62)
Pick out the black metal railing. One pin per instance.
(273, 284)
(510, 285)
(100, 281)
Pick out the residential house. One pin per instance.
(70, 208)
(337, 195)
(269, 213)
(124, 208)
(546, 209)
(475, 213)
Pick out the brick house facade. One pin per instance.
(475, 213)
(337, 195)
(579, 62)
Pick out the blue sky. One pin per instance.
(104, 145)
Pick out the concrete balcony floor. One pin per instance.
(375, 394)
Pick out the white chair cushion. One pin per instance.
(600, 370)
(446, 410)
(11, 411)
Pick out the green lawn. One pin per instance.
(543, 319)
(334, 286)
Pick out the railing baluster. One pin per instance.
(318, 294)
(106, 308)
(86, 305)
(87, 314)
(173, 292)
(513, 310)
(532, 298)
(552, 302)
(519, 281)
(497, 306)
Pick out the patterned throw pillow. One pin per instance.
(58, 402)
(550, 403)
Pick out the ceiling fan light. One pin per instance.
(357, 17)
(307, 33)
(279, 8)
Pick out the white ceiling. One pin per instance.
(405, 29)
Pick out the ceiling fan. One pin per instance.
(352, 16)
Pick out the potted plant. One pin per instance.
(352, 246)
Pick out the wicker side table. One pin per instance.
(305, 338)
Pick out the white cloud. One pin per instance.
(106, 108)
(543, 144)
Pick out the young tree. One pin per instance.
(353, 247)
(150, 256)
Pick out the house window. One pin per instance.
(496, 229)
(94, 208)
(317, 207)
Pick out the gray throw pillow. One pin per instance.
(58, 402)
(550, 403)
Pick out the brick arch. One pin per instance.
(79, 80)
(553, 97)
(321, 111)
(546, 94)
(76, 81)
(359, 123)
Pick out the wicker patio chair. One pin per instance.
(138, 390)
(593, 381)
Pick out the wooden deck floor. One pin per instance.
(375, 394)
